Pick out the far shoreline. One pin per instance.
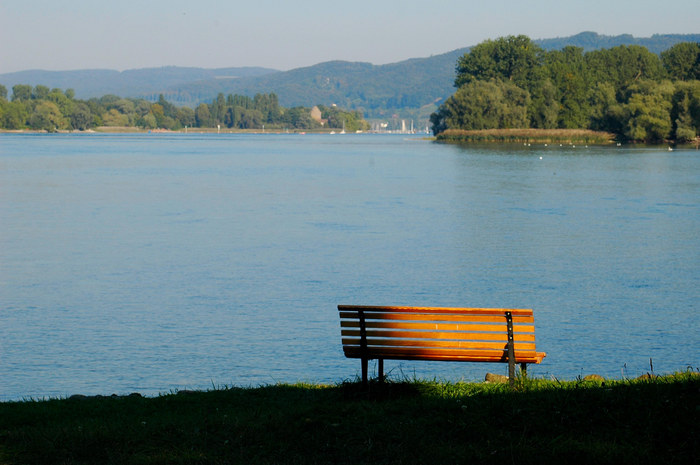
(138, 130)
(450, 136)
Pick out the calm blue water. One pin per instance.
(149, 263)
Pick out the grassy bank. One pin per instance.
(641, 421)
(544, 136)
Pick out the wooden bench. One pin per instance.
(432, 333)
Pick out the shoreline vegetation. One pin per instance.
(39, 108)
(651, 419)
(547, 136)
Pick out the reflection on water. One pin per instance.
(156, 262)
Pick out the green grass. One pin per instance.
(654, 420)
(548, 136)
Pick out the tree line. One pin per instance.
(511, 82)
(41, 108)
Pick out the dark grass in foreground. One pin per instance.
(638, 421)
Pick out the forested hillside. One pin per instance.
(629, 91)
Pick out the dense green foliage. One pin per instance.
(513, 83)
(41, 108)
(644, 421)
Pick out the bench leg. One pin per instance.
(523, 369)
(380, 369)
(511, 371)
(511, 349)
(364, 371)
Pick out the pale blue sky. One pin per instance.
(126, 34)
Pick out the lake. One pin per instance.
(158, 262)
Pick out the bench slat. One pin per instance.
(438, 310)
(432, 317)
(437, 335)
(440, 326)
(408, 353)
(420, 343)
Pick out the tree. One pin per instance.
(81, 118)
(251, 119)
(606, 114)
(568, 72)
(300, 118)
(148, 121)
(682, 61)
(40, 92)
(109, 99)
(159, 114)
(125, 106)
(490, 104)
(218, 109)
(62, 102)
(202, 116)
(141, 109)
(338, 118)
(648, 111)
(623, 65)
(115, 118)
(169, 110)
(47, 116)
(685, 111)
(21, 92)
(185, 117)
(512, 58)
(15, 115)
(544, 108)
(268, 104)
(3, 92)
(232, 118)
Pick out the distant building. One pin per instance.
(316, 114)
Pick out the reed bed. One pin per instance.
(558, 136)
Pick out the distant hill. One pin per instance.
(593, 41)
(379, 90)
(130, 83)
(411, 88)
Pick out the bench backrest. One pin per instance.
(432, 333)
